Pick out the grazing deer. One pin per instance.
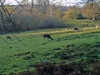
(47, 36)
(76, 29)
(8, 37)
(97, 26)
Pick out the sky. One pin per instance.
(70, 2)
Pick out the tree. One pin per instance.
(24, 2)
(73, 13)
(90, 10)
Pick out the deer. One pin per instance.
(97, 26)
(76, 29)
(47, 36)
(8, 37)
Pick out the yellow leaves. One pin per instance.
(9, 8)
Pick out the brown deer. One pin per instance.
(47, 36)
(8, 37)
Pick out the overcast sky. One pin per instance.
(64, 1)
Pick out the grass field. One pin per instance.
(81, 23)
(20, 55)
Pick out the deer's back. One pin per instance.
(46, 36)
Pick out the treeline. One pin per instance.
(40, 17)
(88, 11)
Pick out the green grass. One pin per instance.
(67, 47)
(82, 23)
